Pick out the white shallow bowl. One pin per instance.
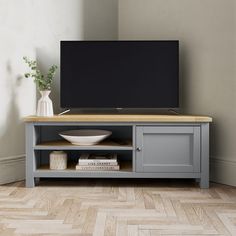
(85, 136)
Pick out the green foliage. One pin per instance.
(42, 82)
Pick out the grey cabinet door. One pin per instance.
(168, 149)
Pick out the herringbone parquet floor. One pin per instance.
(117, 207)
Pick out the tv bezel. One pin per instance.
(122, 108)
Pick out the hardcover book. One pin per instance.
(97, 168)
(100, 160)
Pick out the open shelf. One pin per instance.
(105, 145)
(45, 171)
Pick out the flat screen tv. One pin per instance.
(119, 74)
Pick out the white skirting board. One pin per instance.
(223, 171)
(12, 169)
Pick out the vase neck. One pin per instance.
(45, 93)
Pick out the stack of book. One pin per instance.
(93, 162)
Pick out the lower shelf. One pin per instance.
(126, 171)
(44, 171)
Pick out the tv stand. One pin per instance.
(173, 111)
(148, 146)
(64, 112)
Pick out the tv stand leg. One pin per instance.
(204, 179)
(204, 182)
(30, 182)
(30, 155)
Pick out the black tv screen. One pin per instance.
(119, 74)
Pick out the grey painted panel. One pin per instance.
(196, 149)
(168, 130)
(204, 181)
(30, 157)
(139, 145)
(134, 151)
(168, 149)
(118, 174)
(184, 139)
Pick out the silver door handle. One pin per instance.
(138, 149)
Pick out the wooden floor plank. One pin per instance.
(116, 207)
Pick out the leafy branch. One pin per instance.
(42, 82)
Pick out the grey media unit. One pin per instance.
(148, 146)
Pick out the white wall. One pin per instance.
(207, 33)
(34, 28)
(16, 40)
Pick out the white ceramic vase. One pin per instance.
(45, 107)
